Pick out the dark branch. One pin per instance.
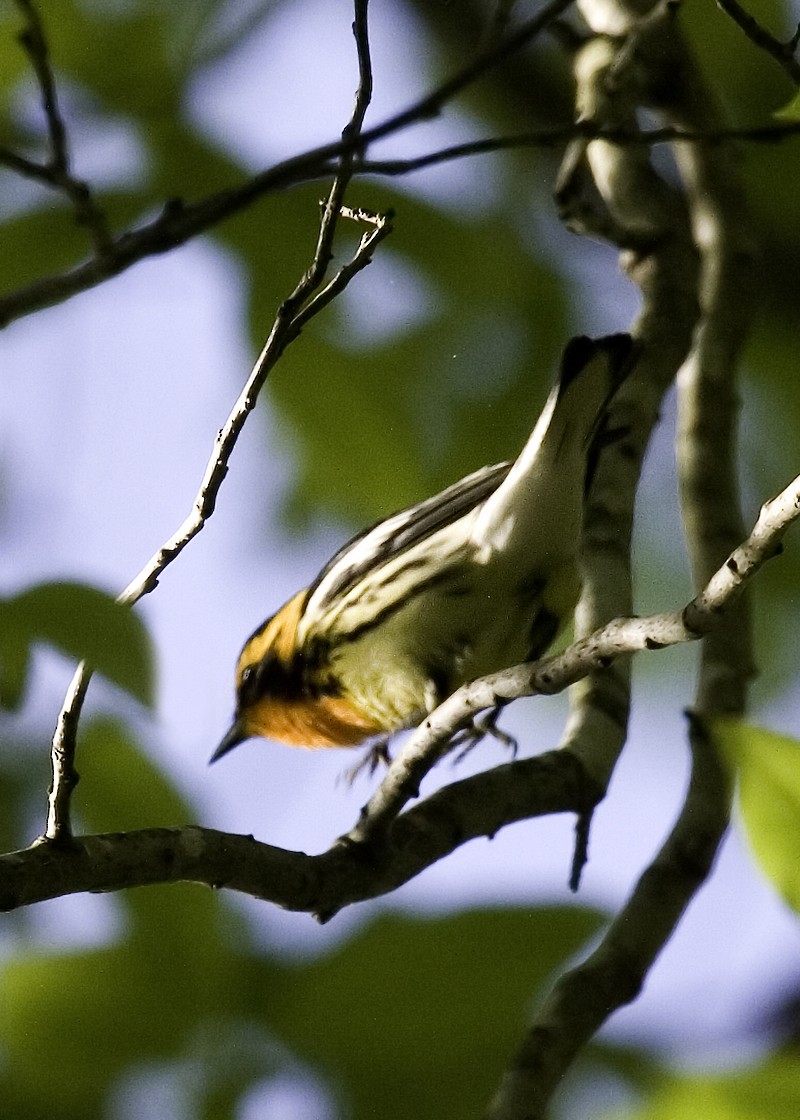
(322, 885)
(304, 302)
(586, 996)
(783, 53)
(33, 40)
(179, 221)
(555, 137)
(56, 171)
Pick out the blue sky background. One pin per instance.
(108, 408)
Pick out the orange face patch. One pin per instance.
(328, 721)
(277, 635)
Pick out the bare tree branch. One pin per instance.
(321, 885)
(708, 398)
(613, 192)
(587, 995)
(619, 638)
(481, 805)
(180, 221)
(783, 53)
(56, 172)
(652, 56)
(293, 314)
(585, 129)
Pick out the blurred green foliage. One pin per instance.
(766, 767)
(768, 1091)
(419, 1014)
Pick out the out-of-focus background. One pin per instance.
(174, 1003)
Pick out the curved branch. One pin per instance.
(304, 302)
(622, 637)
(708, 397)
(612, 976)
(613, 192)
(481, 805)
(652, 56)
(582, 129)
(56, 172)
(321, 884)
(180, 221)
(783, 53)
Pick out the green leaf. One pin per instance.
(83, 623)
(15, 664)
(166, 983)
(437, 398)
(422, 1014)
(767, 1092)
(790, 111)
(768, 770)
(121, 788)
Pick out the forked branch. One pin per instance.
(305, 301)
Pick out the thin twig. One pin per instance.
(287, 326)
(179, 221)
(783, 53)
(589, 130)
(34, 42)
(56, 171)
(481, 805)
(622, 637)
(342, 278)
(293, 314)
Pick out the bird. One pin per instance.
(476, 579)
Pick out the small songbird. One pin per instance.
(476, 579)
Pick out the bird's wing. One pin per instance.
(398, 534)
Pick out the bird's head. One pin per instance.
(284, 696)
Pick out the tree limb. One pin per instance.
(646, 55)
(582, 129)
(481, 805)
(611, 191)
(783, 53)
(621, 637)
(612, 976)
(179, 221)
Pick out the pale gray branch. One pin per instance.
(612, 191)
(647, 56)
(611, 976)
(481, 805)
(619, 638)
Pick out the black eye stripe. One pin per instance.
(307, 674)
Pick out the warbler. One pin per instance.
(476, 579)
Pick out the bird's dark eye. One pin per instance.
(248, 683)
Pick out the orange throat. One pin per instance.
(327, 721)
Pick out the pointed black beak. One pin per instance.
(236, 734)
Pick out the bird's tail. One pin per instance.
(539, 504)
